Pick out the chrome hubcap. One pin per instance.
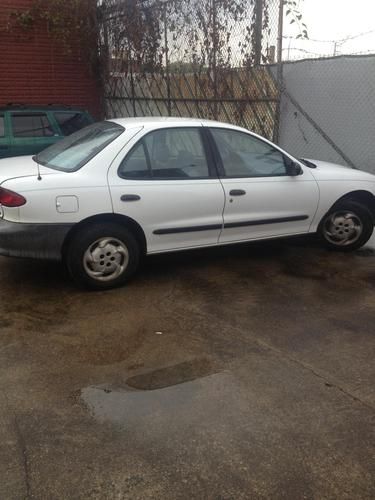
(106, 259)
(342, 228)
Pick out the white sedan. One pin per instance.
(117, 189)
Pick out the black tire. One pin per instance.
(363, 215)
(118, 237)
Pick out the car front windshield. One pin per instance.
(76, 150)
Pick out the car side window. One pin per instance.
(243, 155)
(176, 153)
(31, 125)
(71, 121)
(2, 126)
(135, 164)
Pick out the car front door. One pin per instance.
(262, 199)
(167, 183)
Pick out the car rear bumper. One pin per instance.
(35, 241)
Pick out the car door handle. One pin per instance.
(4, 147)
(130, 197)
(237, 192)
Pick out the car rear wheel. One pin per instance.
(347, 226)
(102, 256)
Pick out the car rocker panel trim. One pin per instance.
(191, 229)
(229, 225)
(277, 220)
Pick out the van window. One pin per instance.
(70, 122)
(31, 125)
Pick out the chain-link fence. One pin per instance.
(201, 58)
(221, 59)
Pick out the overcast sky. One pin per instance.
(334, 20)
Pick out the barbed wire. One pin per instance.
(317, 55)
(340, 40)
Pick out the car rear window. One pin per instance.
(31, 125)
(70, 122)
(2, 126)
(76, 150)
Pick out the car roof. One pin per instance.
(165, 121)
(44, 107)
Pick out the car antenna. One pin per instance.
(38, 167)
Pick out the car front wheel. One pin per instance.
(102, 256)
(347, 227)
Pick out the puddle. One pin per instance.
(142, 409)
(128, 408)
(173, 375)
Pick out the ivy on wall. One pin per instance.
(72, 24)
(100, 30)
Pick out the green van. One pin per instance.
(26, 130)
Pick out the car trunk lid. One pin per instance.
(21, 166)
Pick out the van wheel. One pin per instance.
(102, 256)
(347, 227)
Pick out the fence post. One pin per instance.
(167, 68)
(105, 57)
(214, 56)
(132, 80)
(280, 75)
(258, 32)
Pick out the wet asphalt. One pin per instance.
(234, 373)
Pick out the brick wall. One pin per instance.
(34, 69)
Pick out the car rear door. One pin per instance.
(31, 132)
(261, 198)
(167, 183)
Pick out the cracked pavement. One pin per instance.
(239, 372)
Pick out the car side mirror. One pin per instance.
(293, 168)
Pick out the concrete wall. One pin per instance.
(338, 94)
(36, 69)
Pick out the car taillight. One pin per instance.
(10, 198)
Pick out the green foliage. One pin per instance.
(131, 33)
(70, 22)
(293, 13)
(23, 19)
